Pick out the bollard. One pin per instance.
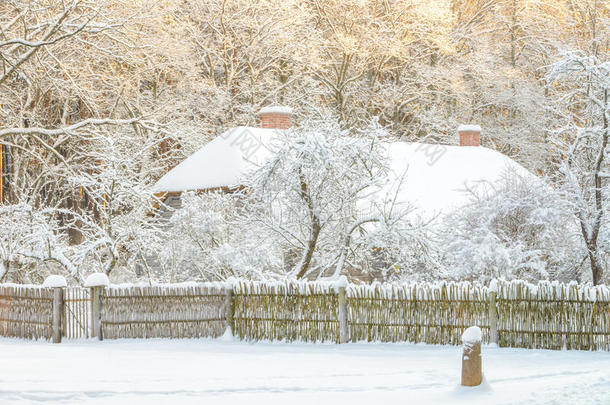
(472, 374)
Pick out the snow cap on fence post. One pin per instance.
(97, 280)
(55, 281)
(472, 374)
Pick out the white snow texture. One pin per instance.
(97, 280)
(55, 281)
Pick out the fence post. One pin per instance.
(343, 330)
(58, 313)
(57, 283)
(96, 282)
(230, 305)
(493, 311)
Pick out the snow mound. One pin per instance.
(55, 281)
(471, 335)
(97, 280)
(227, 336)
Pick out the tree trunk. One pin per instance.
(596, 267)
(311, 247)
(315, 228)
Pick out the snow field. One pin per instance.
(231, 372)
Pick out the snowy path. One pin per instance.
(219, 372)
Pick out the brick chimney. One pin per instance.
(277, 117)
(470, 135)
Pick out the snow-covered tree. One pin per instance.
(581, 85)
(313, 197)
(518, 229)
(31, 237)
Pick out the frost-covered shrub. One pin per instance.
(203, 240)
(519, 229)
(33, 244)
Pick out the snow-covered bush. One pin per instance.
(203, 240)
(33, 243)
(519, 229)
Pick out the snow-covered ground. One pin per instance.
(226, 372)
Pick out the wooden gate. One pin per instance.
(77, 307)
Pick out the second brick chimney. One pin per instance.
(277, 117)
(470, 135)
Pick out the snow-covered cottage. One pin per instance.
(437, 174)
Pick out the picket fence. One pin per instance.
(511, 314)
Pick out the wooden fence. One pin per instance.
(26, 312)
(553, 316)
(428, 313)
(511, 314)
(164, 311)
(287, 311)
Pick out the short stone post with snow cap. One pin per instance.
(472, 373)
(96, 282)
(57, 283)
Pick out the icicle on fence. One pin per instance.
(177, 311)
(553, 316)
(289, 311)
(26, 312)
(429, 313)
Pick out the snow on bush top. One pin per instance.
(278, 109)
(97, 280)
(471, 335)
(55, 281)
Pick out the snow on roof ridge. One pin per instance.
(469, 127)
(277, 109)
